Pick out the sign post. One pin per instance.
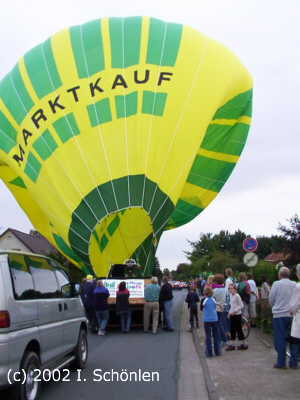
(250, 244)
(250, 258)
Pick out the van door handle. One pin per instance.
(60, 307)
(65, 306)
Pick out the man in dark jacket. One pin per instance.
(87, 300)
(101, 294)
(166, 297)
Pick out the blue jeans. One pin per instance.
(208, 327)
(221, 324)
(125, 320)
(226, 321)
(280, 327)
(168, 305)
(102, 317)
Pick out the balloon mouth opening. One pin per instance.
(119, 236)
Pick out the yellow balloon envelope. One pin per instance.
(116, 130)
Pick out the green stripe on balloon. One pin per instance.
(66, 127)
(45, 145)
(126, 105)
(163, 43)
(32, 167)
(8, 134)
(87, 46)
(217, 138)
(154, 103)
(209, 173)
(99, 113)
(15, 96)
(156, 203)
(125, 41)
(237, 107)
(42, 70)
(183, 213)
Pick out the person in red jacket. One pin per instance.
(123, 307)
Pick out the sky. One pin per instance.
(264, 188)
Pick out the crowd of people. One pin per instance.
(224, 300)
(158, 300)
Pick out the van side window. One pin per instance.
(61, 274)
(43, 277)
(21, 278)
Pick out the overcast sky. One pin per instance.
(264, 188)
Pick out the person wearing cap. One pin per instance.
(87, 297)
(295, 311)
(279, 299)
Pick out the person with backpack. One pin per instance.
(243, 290)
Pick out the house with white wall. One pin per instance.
(11, 239)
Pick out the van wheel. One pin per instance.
(30, 389)
(80, 352)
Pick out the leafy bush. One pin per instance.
(267, 322)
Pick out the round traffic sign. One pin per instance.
(250, 244)
(250, 259)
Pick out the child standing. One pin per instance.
(192, 299)
(210, 319)
(235, 315)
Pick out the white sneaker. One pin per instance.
(101, 333)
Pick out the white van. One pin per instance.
(42, 322)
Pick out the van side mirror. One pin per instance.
(72, 289)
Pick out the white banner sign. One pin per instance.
(135, 286)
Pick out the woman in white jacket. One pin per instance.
(295, 311)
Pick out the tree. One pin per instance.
(35, 233)
(292, 236)
(166, 272)
(157, 270)
(264, 268)
(223, 242)
(220, 261)
(268, 245)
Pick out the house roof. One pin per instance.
(37, 245)
(275, 257)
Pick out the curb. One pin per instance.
(211, 388)
(262, 340)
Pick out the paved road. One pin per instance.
(132, 352)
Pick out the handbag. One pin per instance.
(291, 339)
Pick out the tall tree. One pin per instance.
(157, 270)
(223, 242)
(268, 245)
(292, 236)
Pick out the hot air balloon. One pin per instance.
(119, 129)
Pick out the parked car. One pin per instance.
(183, 285)
(42, 322)
(176, 285)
